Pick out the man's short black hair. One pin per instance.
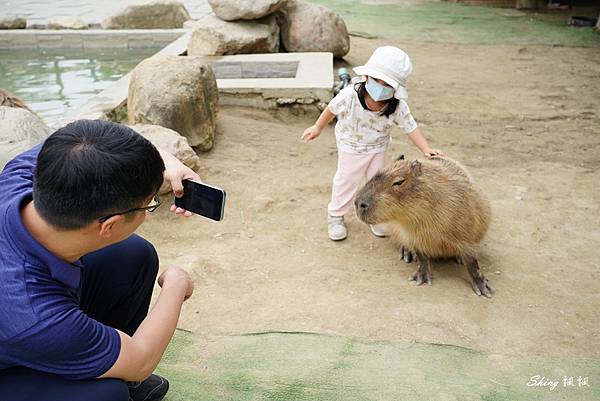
(91, 168)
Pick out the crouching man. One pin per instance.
(75, 282)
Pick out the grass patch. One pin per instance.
(299, 367)
(457, 23)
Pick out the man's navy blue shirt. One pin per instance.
(41, 324)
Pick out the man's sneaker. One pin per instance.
(379, 230)
(153, 388)
(336, 228)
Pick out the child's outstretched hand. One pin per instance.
(432, 152)
(311, 133)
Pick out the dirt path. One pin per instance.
(524, 120)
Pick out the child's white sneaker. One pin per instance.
(379, 230)
(336, 228)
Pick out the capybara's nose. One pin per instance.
(362, 203)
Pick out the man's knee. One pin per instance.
(140, 261)
(124, 262)
(143, 253)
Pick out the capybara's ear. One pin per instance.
(401, 157)
(415, 167)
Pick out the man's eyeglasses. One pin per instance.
(154, 204)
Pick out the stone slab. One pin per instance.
(312, 83)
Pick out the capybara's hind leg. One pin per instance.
(480, 284)
(422, 275)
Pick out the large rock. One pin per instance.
(178, 93)
(9, 100)
(19, 131)
(154, 15)
(212, 36)
(69, 22)
(312, 28)
(13, 23)
(231, 10)
(598, 24)
(169, 141)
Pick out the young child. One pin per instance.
(366, 112)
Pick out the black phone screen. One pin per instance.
(202, 199)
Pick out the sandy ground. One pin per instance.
(524, 120)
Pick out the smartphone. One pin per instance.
(202, 199)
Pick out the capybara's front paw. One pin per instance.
(421, 276)
(481, 286)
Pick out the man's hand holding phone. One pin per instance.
(202, 199)
(191, 195)
(175, 173)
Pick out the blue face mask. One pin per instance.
(377, 91)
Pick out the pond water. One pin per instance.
(52, 83)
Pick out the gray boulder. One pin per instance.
(231, 10)
(312, 28)
(176, 92)
(19, 131)
(212, 36)
(13, 23)
(9, 100)
(70, 22)
(169, 141)
(155, 15)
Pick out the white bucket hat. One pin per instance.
(391, 65)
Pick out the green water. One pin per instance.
(51, 84)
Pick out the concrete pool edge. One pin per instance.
(92, 39)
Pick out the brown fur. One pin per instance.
(9, 100)
(431, 207)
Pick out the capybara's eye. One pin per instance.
(399, 182)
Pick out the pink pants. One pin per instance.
(352, 169)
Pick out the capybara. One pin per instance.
(431, 207)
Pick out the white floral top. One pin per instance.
(364, 131)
